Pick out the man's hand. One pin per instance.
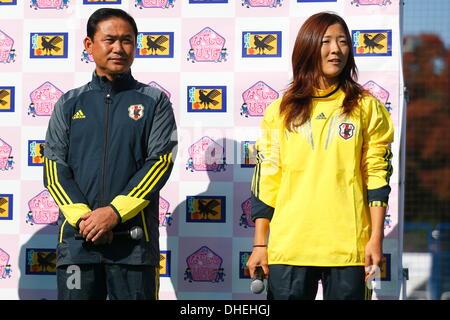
(98, 222)
(106, 238)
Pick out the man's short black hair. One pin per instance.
(105, 14)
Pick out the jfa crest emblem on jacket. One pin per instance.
(136, 111)
(346, 130)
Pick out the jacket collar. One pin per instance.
(123, 82)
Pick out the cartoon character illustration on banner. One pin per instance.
(387, 219)
(49, 4)
(165, 217)
(370, 2)
(379, 92)
(206, 155)
(162, 4)
(7, 99)
(207, 46)
(6, 206)
(7, 52)
(43, 210)
(245, 221)
(49, 45)
(155, 45)
(5, 266)
(86, 57)
(40, 261)
(261, 44)
(262, 3)
(207, 98)
(372, 42)
(206, 209)
(256, 99)
(223, 55)
(204, 265)
(43, 99)
(244, 110)
(6, 157)
(29, 220)
(8, 271)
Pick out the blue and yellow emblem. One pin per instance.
(385, 267)
(155, 45)
(164, 264)
(261, 44)
(36, 152)
(49, 45)
(205, 208)
(7, 99)
(372, 42)
(248, 154)
(244, 272)
(102, 1)
(8, 2)
(6, 206)
(207, 99)
(40, 261)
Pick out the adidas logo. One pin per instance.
(321, 117)
(78, 115)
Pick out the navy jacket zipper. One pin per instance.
(108, 101)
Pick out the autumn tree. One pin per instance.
(426, 71)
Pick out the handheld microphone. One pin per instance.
(257, 284)
(135, 233)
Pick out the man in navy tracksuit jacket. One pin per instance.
(109, 149)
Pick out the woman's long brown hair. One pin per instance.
(307, 71)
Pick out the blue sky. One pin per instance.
(427, 16)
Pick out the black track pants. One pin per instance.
(112, 281)
(301, 283)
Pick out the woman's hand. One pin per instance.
(374, 247)
(258, 258)
(373, 256)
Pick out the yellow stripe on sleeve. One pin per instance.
(61, 231)
(50, 186)
(55, 172)
(147, 239)
(155, 181)
(131, 194)
(378, 204)
(157, 282)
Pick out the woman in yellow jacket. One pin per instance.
(321, 180)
